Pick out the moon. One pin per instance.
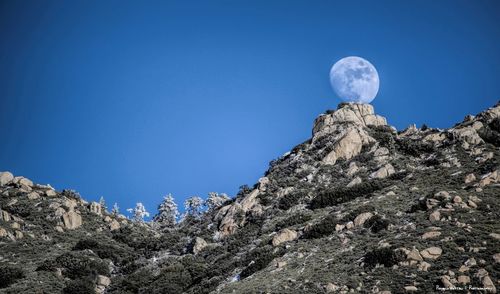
(354, 79)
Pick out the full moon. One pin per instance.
(354, 79)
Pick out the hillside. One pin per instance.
(359, 207)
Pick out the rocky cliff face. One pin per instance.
(360, 207)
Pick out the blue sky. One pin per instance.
(135, 99)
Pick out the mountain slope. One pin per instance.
(359, 207)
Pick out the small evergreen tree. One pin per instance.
(116, 210)
(167, 212)
(193, 206)
(139, 212)
(102, 202)
(215, 200)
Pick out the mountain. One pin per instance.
(358, 208)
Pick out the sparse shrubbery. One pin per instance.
(335, 196)
(414, 147)
(293, 220)
(105, 250)
(9, 275)
(383, 135)
(291, 199)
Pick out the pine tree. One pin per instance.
(215, 200)
(116, 209)
(193, 206)
(102, 202)
(139, 212)
(167, 212)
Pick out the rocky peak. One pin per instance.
(354, 114)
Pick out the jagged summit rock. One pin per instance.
(358, 208)
(358, 114)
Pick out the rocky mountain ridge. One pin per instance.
(360, 207)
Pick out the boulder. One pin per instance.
(33, 195)
(383, 172)
(424, 266)
(50, 193)
(362, 218)
(435, 216)
(488, 283)
(414, 255)
(5, 178)
(468, 135)
(18, 234)
(464, 280)
(348, 146)
(4, 215)
(114, 225)
(431, 235)
(263, 182)
(198, 245)
(469, 178)
(72, 220)
(331, 288)
(70, 204)
(95, 208)
(353, 168)
(431, 253)
(283, 236)
(496, 257)
(354, 182)
(490, 178)
(25, 182)
(103, 280)
(411, 289)
(3, 233)
(445, 280)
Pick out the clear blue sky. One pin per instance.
(134, 99)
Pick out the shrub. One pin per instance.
(243, 190)
(290, 200)
(79, 265)
(376, 224)
(323, 228)
(340, 195)
(385, 256)
(383, 135)
(79, 287)
(421, 205)
(116, 254)
(9, 275)
(414, 147)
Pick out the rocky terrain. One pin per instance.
(358, 208)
